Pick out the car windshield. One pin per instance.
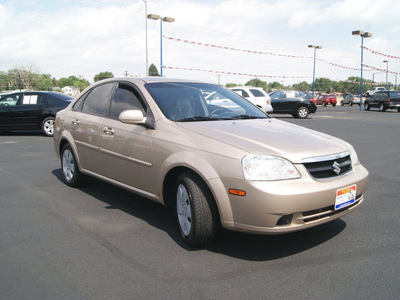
(191, 102)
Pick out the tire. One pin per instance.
(398, 110)
(350, 103)
(302, 112)
(196, 211)
(382, 107)
(341, 104)
(334, 104)
(69, 168)
(366, 106)
(48, 126)
(323, 103)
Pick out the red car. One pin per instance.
(325, 99)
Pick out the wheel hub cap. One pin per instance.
(184, 210)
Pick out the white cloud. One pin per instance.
(107, 35)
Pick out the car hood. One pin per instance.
(269, 136)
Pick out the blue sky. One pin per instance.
(71, 37)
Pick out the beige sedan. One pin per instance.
(218, 164)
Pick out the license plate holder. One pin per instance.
(345, 196)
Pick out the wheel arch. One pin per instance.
(205, 172)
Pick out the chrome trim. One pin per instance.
(325, 158)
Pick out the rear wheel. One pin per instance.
(341, 103)
(196, 210)
(48, 126)
(302, 112)
(323, 103)
(69, 167)
(351, 103)
(382, 107)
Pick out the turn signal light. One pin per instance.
(237, 192)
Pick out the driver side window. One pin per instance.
(124, 98)
(9, 100)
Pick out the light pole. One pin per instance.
(387, 69)
(145, 26)
(373, 75)
(313, 77)
(363, 35)
(165, 19)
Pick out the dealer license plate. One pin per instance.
(345, 196)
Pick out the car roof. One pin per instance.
(152, 80)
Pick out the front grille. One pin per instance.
(329, 167)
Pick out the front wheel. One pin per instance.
(351, 103)
(302, 112)
(334, 104)
(196, 210)
(366, 106)
(48, 126)
(382, 107)
(70, 171)
(323, 103)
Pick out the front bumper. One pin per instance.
(284, 206)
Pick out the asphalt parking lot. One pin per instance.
(101, 242)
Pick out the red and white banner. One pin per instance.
(258, 75)
(382, 54)
(256, 52)
(381, 70)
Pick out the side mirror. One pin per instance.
(132, 117)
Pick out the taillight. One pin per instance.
(312, 100)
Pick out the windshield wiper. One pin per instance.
(196, 118)
(244, 117)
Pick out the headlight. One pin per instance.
(266, 167)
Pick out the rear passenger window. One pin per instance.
(96, 103)
(124, 98)
(257, 93)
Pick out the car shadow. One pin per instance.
(235, 244)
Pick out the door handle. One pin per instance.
(108, 130)
(75, 121)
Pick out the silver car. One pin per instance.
(225, 165)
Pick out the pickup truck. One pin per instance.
(383, 100)
(374, 90)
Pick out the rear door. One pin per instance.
(85, 123)
(28, 111)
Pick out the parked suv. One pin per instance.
(255, 95)
(374, 90)
(383, 100)
(325, 99)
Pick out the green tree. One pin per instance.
(276, 86)
(4, 81)
(302, 86)
(153, 70)
(72, 80)
(103, 75)
(257, 83)
(228, 85)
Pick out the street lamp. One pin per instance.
(313, 78)
(373, 75)
(165, 19)
(387, 69)
(145, 26)
(363, 35)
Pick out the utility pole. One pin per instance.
(126, 73)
